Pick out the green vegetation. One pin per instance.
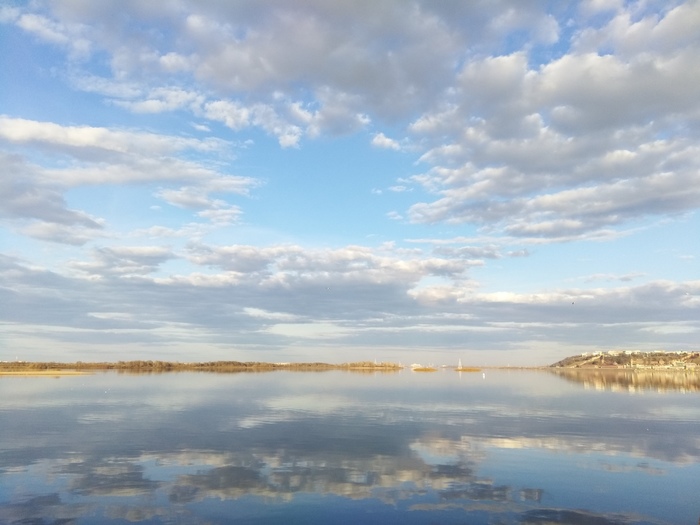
(212, 366)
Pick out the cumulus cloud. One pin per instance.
(53, 32)
(352, 296)
(90, 156)
(504, 128)
(37, 208)
(529, 122)
(77, 139)
(590, 143)
(382, 141)
(73, 234)
(125, 260)
(351, 67)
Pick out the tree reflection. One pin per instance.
(632, 380)
(572, 517)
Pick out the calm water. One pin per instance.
(338, 447)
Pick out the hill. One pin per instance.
(631, 359)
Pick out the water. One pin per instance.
(339, 447)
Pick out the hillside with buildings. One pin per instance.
(632, 359)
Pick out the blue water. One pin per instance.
(339, 447)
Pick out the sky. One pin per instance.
(501, 182)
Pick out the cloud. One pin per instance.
(238, 116)
(591, 7)
(505, 128)
(598, 133)
(382, 141)
(164, 99)
(43, 28)
(38, 209)
(234, 51)
(73, 234)
(529, 124)
(125, 260)
(91, 156)
(74, 139)
(354, 296)
(52, 32)
(481, 252)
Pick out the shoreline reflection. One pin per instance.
(520, 448)
(632, 380)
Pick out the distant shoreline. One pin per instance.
(632, 360)
(49, 368)
(45, 372)
(677, 361)
(149, 366)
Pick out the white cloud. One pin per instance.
(382, 141)
(22, 131)
(221, 214)
(338, 114)
(174, 62)
(201, 127)
(596, 154)
(164, 99)
(39, 210)
(187, 197)
(273, 316)
(101, 156)
(109, 87)
(230, 113)
(125, 261)
(591, 7)
(237, 117)
(71, 233)
(350, 296)
(49, 31)
(531, 125)
(43, 28)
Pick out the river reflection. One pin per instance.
(633, 380)
(335, 447)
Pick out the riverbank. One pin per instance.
(54, 368)
(51, 373)
(632, 359)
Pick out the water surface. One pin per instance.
(340, 447)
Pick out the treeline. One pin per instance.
(211, 366)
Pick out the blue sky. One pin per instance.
(500, 182)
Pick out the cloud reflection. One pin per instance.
(423, 445)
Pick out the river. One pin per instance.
(493, 447)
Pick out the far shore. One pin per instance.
(53, 373)
(55, 368)
(52, 368)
